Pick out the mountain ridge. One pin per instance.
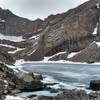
(68, 32)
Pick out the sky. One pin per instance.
(33, 9)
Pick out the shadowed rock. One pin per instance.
(95, 85)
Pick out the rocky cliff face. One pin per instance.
(71, 31)
(68, 32)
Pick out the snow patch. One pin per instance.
(6, 45)
(98, 43)
(72, 54)
(32, 52)
(39, 29)
(47, 58)
(1, 20)
(10, 46)
(35, 37)
(98, 6)
(21, 61)
(18, 49)
(11, 38)
(95, 30)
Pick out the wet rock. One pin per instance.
(30, 86)
(45, 98)
(19, 82)
(95, 85)
(28, 77)
(31, 96)
(38, 77)
(68, 95)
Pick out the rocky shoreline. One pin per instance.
(72, 95)
(13, 82)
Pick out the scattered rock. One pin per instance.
(72, 95)
(12, 82)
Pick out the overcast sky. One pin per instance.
(34, 9)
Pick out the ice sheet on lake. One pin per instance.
(38, 93)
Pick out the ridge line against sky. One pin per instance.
(33, 9)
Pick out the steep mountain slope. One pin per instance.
(55, 37)
(11, 24)
(71, 31)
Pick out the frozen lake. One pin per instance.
(68, 76)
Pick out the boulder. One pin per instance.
(95, 85)
(28, 77)
(30, 82)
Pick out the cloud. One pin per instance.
(33, 9)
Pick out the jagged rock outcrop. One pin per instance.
(11, 80)
(90, 54)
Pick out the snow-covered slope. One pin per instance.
(11, 38)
